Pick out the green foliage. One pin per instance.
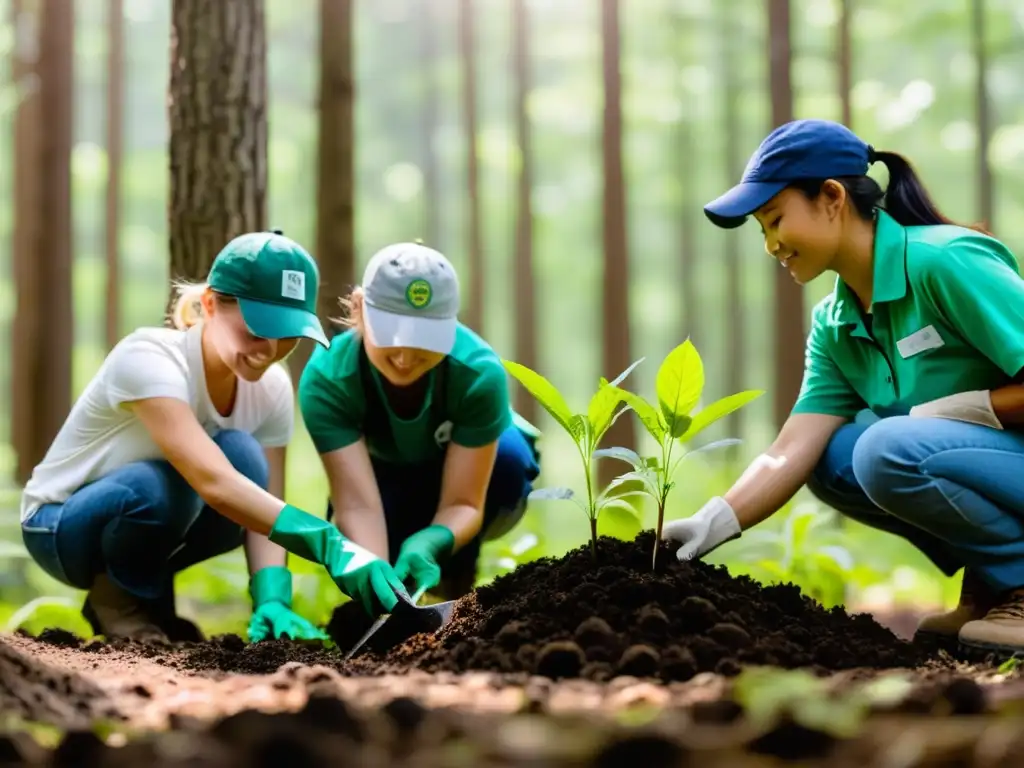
(678, 388)
(769, 695)
(586, 431)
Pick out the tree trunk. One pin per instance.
(616, 249)
(736, 350)
(218, 129)
(431, 171)
(983, 116)
(44, 314)
(689, 271)
(525, 304)
(467, 45)
(844, 55)
(790, 337)
(335, 211)
(115, 150)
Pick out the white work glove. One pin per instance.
(714, 524)
(974, 407)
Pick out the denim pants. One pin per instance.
(411, 493)
(952, 489)
(141, 524)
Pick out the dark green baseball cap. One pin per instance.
(275, 281)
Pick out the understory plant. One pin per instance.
(586, 430)
(679, 385)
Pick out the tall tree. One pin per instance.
(43, 318)
(789, 297)
(218, 129)
(983, 116)
(431, 168)
(844, 63)
(615, 305)
(335, 181)
(686, 157)
(526, 311)
(467, 46)
(115, 151)
(736, 353)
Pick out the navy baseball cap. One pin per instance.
(801, 149)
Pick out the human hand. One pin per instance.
(272, 616)
(712, 525)
(974, 407)
(420, 553)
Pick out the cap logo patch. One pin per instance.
(419, 293)
(293, 284)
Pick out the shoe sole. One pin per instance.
(975, 649)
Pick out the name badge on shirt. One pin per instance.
(919, 341)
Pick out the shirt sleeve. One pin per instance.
(141, 368)
(974, 288)
(484, 411)
(329, 409)
(824, 389)
(279, 425)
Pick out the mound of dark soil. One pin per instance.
(572, 617)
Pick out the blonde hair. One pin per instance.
(352, 304)
(188, 305)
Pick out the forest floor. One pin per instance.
(564, 662)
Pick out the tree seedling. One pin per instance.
(586, 431)
(678, 387)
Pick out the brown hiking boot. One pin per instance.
(120, 614)
(1002, 628)
(976, 598)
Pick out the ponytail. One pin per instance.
(188, 307)
(906, 198)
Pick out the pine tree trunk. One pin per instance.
(615, 306)
(115, 151)
(44, 316)
(218, 128)
(467, 46)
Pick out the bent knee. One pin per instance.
(515, 460)
(245, 454)
(884, 455)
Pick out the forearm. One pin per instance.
(366, 527)
(261, 552)
(770, 481)
(463, 520)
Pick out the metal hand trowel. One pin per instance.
(406, 619)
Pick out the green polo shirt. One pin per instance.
(947, 317)
(477, 402)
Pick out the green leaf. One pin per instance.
(622, 376)
(579, 429)
(554, 493)
(647, 414)
(602, 409)
(718, 409)
(679, 384)
(645, 476)
(622, 454)
(543, 391)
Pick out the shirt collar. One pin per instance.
(890, 272)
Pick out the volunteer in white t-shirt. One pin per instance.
(175, 453)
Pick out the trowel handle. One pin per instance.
(418, 594)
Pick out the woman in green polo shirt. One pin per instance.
(409, 410)
(908, 416)
(175, 451)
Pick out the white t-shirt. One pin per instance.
(100, 435)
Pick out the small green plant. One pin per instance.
(586, 430)
(678, 387)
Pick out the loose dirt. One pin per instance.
(572, 617)
(563, 663)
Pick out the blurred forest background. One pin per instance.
(557, 151)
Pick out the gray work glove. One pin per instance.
(973, 407)
(714, 524)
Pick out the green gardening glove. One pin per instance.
(420, 553)
(358, 572)
(272, 615)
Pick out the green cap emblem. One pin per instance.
(419, 293)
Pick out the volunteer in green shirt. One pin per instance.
(909, 417)
(409, 410)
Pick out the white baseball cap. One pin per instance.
(411, 298)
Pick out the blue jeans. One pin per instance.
(952, 489)
(411, 493)
(140, 524)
